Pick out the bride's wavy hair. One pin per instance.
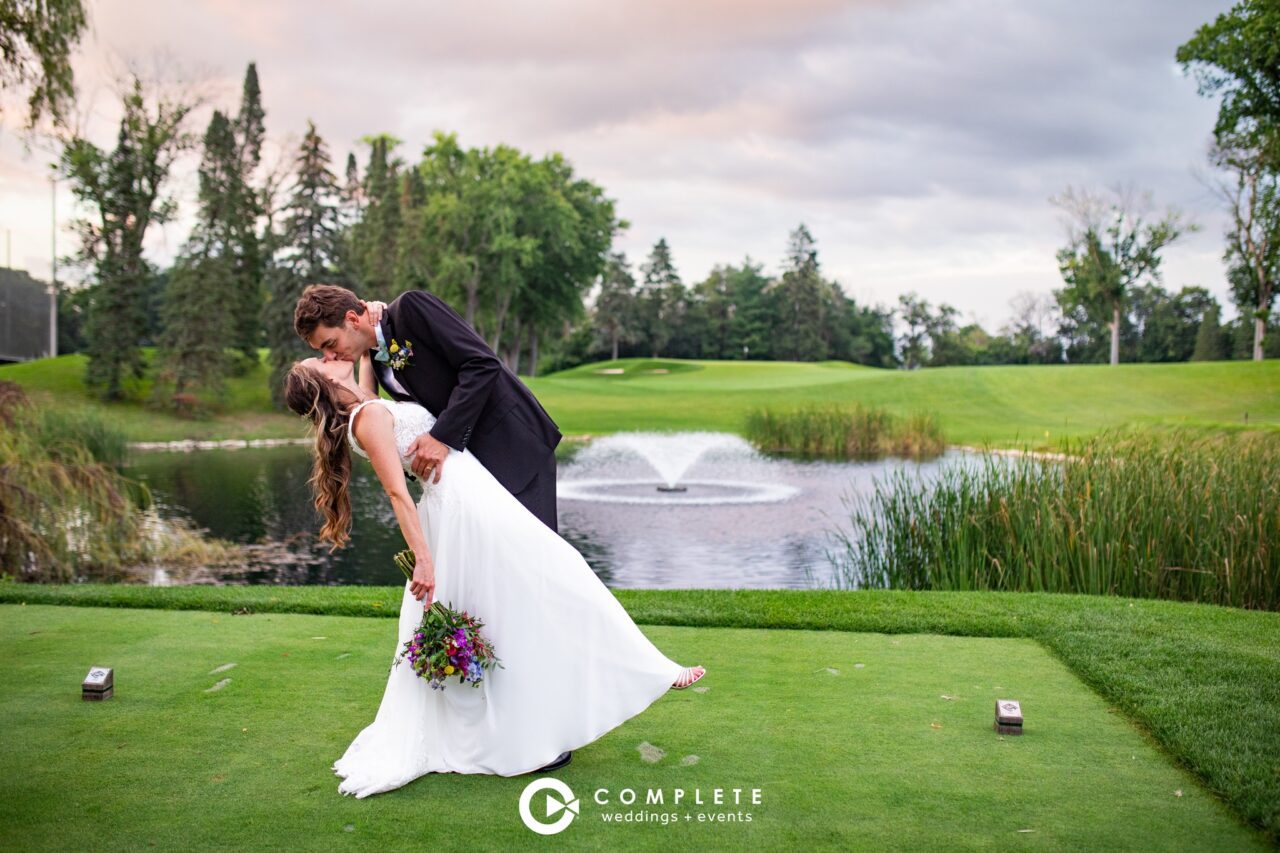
(310, 394)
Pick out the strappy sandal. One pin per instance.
(685, 675)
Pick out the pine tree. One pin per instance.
(352, 192)
(248, 263)
(661, 298)
(202, 302)
(1211, 343)
(374, 238)
(411, 255)
(802, 301)
(309, 244)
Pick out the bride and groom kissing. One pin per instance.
(484, 536)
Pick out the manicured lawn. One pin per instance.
(1118, 695)
(1003, 405)
(855, 757)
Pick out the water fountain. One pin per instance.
(670, 456)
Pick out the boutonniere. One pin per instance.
(400, 355)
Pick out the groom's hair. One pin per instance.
(323, 305)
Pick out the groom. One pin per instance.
(423, 351)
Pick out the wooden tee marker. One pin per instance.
(1008, 717)
(98, 684)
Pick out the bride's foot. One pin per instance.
(688, 676)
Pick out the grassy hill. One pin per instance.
(1032, 404)
(1005, 405)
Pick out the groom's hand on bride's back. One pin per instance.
(428, 457)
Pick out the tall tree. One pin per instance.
(1211, 343)
(310, 246)
(914, 312)
(247, 206)
(948, 343)
(1252, 197)
(123, 189)
(203, 300)
(1112, 247)
(373, 250)
(661, 297)
(572, 224)
(614, 317)
(1237, 56)
(36, 39)
(801, 301)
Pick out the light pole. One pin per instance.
(53, 283)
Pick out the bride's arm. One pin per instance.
(367, 380)
(374, 428)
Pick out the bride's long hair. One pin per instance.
(310, 394)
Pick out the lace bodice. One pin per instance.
(411, 421)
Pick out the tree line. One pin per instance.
(513, 242)
(739, 313)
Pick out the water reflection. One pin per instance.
(261, 496)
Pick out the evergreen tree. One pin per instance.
(352, 190)
(309, 253)
(250, 123)
(202, 302)
(373, 251)
(802, 300)
(1211, 344)
(661, 299)
(411, 254)
(248, 266)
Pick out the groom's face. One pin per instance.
(341, 343)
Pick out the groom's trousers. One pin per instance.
(539, 496)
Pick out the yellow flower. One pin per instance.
(395, 347)
(448, 670)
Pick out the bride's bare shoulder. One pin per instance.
(371, 421)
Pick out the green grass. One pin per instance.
(1154, 513)
(859, 758)
(59, 384)
(1202, 682)
(1030, 404)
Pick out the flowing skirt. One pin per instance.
(574, 665)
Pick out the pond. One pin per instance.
(676, 510)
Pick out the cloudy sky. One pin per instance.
(919, 141)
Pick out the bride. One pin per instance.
(574, 665)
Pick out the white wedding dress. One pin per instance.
(574, 665)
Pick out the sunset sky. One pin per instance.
(919, 141)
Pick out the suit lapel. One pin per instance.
(381, 368)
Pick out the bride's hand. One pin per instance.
(423, 582)
(375, 309)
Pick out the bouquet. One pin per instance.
(447, 642)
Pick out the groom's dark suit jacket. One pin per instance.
(478, 402)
